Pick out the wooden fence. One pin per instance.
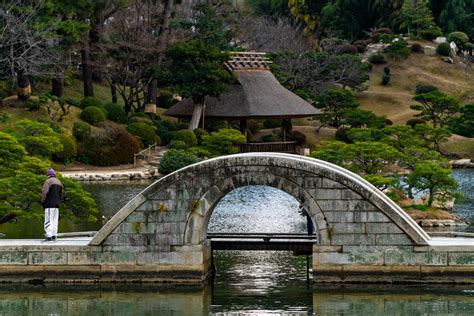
(275, 147)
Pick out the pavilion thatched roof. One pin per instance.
(258, 94)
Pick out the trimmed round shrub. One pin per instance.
(377, 59)
(91, 101)
(443, 49)
(139, 119)
(271, 123)
(93, 115)
(425, 88)
(415, 121)
(115, 112)
(347, 49)
(341, 135)
(80, 130)
(138, 114)
(178, 144)
(144, 132)
(298, 137)
(460, 38)
(417, 48)
(69, 151)
(175, 159)
(431, 34)
(187, 136)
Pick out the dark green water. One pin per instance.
(247, 283)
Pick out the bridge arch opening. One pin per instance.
(259, 209)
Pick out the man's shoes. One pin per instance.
(54, 238)
(49, 239)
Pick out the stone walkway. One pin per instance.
(62, 244)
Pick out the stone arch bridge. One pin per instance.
(161, 235)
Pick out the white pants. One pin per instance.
(51, 218)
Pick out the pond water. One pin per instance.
(246, 283)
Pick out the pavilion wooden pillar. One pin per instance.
(243, 127)
(285, 128)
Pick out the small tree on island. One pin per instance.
(434, 178)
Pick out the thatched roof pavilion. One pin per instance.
(257, 95)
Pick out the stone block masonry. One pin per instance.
(161, 235)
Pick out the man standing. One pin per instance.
(50, 199)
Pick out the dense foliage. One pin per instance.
(175, 159)
(21, 181)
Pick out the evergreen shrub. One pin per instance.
(431, 34)
(80, 129)
(69, 151)
(443, 49)
(377, 59)
(415, 121)
(144, 132)
(425, 88)
(341, 135)
(139, 119)
(460, 38)
(93, 115)
(199, 132)
(33, 104)
(115, 112)
(175, 159)
(165, 100)
(91, 101)
(417, 48)
(187, 136)
(178, 144)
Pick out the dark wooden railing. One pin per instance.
(275, 147)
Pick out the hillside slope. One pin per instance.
(394, 99)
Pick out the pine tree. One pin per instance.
(454, 17)
(417, 17)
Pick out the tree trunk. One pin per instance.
(163, 37)
(165, 29)
(87, 69)
(58, 84)
(113, 92)
(151, 93)
(197, 112)
(23, 86)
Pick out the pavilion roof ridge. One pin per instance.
(242, 61)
